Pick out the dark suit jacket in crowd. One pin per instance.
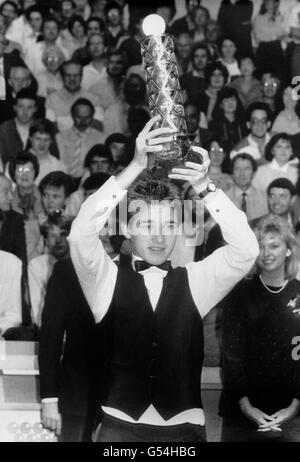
(72, 378)
(12, 235)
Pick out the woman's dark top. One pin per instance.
(258, 331)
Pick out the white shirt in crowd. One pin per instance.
(210, 280)
(271, 171)
(10, 291)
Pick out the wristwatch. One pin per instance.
(210, 187)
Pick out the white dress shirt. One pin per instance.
(209, 280)
(271, 171)
(10, 291)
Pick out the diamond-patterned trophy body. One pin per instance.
(165, 98)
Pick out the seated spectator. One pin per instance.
(55, 188)
(116, 115)
(288, 119)
(258, 117)
(96, 26)
(116, 144)
(90, 185)
(260, 398)
(131, 46)
(228, 58)
(281, 162)
(193, 82)
(67, 9)
(114, 25)
(186, 23)
(93, 71)
(216, 77)
(54, 232)
(34, 17)
(281, 197)
(12, 232)
(243, 194)
(196, 123)
(201, 17)
(18, 27)
(109, 87)
(23, 170)
(228, 120)
(11, 46)
(183, 46)
(8, 61)
(9, 10)
(34, 55)
(217, 157)
(14, 133)
(41, 134)
(76, 38)
(97, 160)
(59, 103)
(213, 32)
(50, 80)
(247, 86)
(75, 142)
(10, 294)
(271, 92)
(268, 31)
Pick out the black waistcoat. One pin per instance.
(155, 356)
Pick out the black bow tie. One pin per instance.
(141, 265)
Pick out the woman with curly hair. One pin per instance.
(260, 400)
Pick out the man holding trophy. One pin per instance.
(151, 314)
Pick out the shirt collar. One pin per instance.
(276, 166)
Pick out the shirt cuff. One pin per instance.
(49, 400)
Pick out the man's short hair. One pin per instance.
(21, 159)
(26, 93)
(112, 6)
(151, 189)
(33, 9)
(95, 181)
(69, 63)
(50, 19)
(244, 156)
(200, 46)
(100, 22)
(258, 106)
(73, 20)
(83, 102)
(56, 219)
(282, 183)
(214, 66)
(41, 126)
(11, 3)
(57, 180)
(97, 150)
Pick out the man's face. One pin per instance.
(259, 123)
(50, 31)
(115, 65)
(53, 199)
(5, 194)
(192, 118)
(212, 33)
(229, 105)
(200, 17)
(67, 9)
(72, 77)
(36, 21)
(279, 201)
(20, 78)
(200, 59)
(243, 173)
(25, 175)
(270, 86)
(117, 151)
(192, 4)
(40, 143)
(83, 117)
(93, 27)
(152, 232)
(247, 67)
(25, 110)
(96, 46)
(114, 18)
(53, 61)
(99, 165)
(183, 46)
(57, 242)
(9, 12)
